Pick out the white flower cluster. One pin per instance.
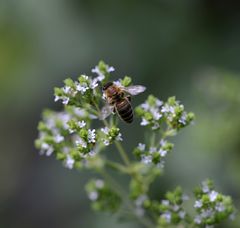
(153, 155)
(85, 145)
(67, 93)
(69, 162)
(67, 135)
(73, 88)
(110, 134)
(153, 112)
(172, 112)
(173, 209)
(52, 131)
(101, 72)
(211, 205)
(93, 194)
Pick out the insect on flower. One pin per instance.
(118, 100)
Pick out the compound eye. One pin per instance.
(108, 84)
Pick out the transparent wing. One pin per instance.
(106, 111)
(134, 90)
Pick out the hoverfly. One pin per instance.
(118, 100)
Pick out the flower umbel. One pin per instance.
(80, 138)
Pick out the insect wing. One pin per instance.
(134, 90)
(106, 111)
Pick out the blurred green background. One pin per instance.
(190, 49)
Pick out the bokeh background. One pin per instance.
(186, 48)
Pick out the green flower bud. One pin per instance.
(126, 81)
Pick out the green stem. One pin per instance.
(115, 166)
(153, 138)
(122, 153)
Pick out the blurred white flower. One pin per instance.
(91, 136)
(69, 162)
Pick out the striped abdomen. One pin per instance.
(124, 110)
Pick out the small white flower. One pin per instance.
(85, 77)
(198, 219)
(220, 207)
(155, 113)
(206, 213)
(80, 112)
(146, 159)
(104, 96)
(92, 153)
(57, 98)
(101, 77)
(69, 162)
(71, 130)
(91, 136)
(141, 146)
(165, 108)
(152, 150)
(163, 142)
(105, 130)
(95, 70)
(65, 150)
(106, 142)
(168, 109)
(66, 89)
(110, 69)
(144, 122)
(99, 183)
(145, 106)
(93, 195)
(58, 138)
(117, 83)
(213, 196)
(49, 151)
(172, 110)
(64, 117)
(99, 73)
(182, 214)
(162, 153)
(198, 204)
(167, 215)
(83, 87)
(183, 118)
(65, 100)
(94, 83)
(205, 187)
(165, 202)
(176, 207)
(81, 124)
(81, 142)
(119, 137)
(45, 148)
(159, 103)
